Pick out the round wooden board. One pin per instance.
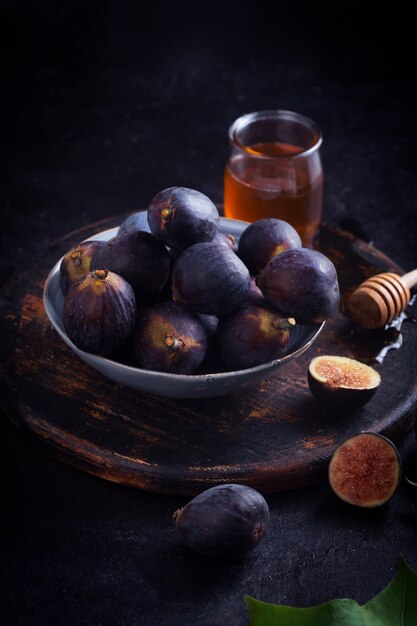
(274, 436)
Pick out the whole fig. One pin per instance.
(225, 521)
(264, 239)
(76, 263)
(301, 283)
(168, 338)
(210, 278)
(140, 258)
(100, 312)
(253, 334)
(181, 217)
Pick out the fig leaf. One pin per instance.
(396, 604)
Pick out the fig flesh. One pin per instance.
(365, 470)
(100, 312)
(140, 258)
(301, 283)
(181, 217)
(225, 521)
(264, 239)
(76, 263)
(168, 338)
(252, 335)
(340, 382)
(210, 278)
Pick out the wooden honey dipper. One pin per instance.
(381, 298)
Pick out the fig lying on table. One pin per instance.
(341, 382)
(365, 470)
(225, 521)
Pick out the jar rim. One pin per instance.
(276, 114)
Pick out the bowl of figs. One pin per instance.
(180, 302)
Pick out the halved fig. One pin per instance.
(340, 382)
(365, 470)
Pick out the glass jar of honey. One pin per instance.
(274, 170)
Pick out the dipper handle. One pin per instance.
(381, 298)
(410, 279)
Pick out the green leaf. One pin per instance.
(396, 605)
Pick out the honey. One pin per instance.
(274, 179)
(274, 170)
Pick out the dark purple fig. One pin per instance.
(365, 470)
(169, 338)
(340, 382)
(264, 239)
(210, 323)
(225, 240)
(252, 335)
(225, 521)
(181, 217)
(210, 278)
(301, 284)
(141, 259)
(100, 312)
(254, 294)
(76, 263)
(133, 223)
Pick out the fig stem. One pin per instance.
(76, 257)
(284, 324)
(100, 274)
(167, 215)
(173, 344)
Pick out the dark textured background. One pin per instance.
(102, 105)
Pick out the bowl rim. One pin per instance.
(55, 318)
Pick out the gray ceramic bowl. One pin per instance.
(161, 383)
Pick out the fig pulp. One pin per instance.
(252, 335)
(340, 382)
(210, 278)
(168, 338)
(225, 521)
(76, 263)
(181, 217)
(365, 470)
(141, 259)
(301, 283)
(264, 239)
(100, 312)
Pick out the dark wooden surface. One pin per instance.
(274, 436)
(103, 105)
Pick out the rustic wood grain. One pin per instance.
(275, 436)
